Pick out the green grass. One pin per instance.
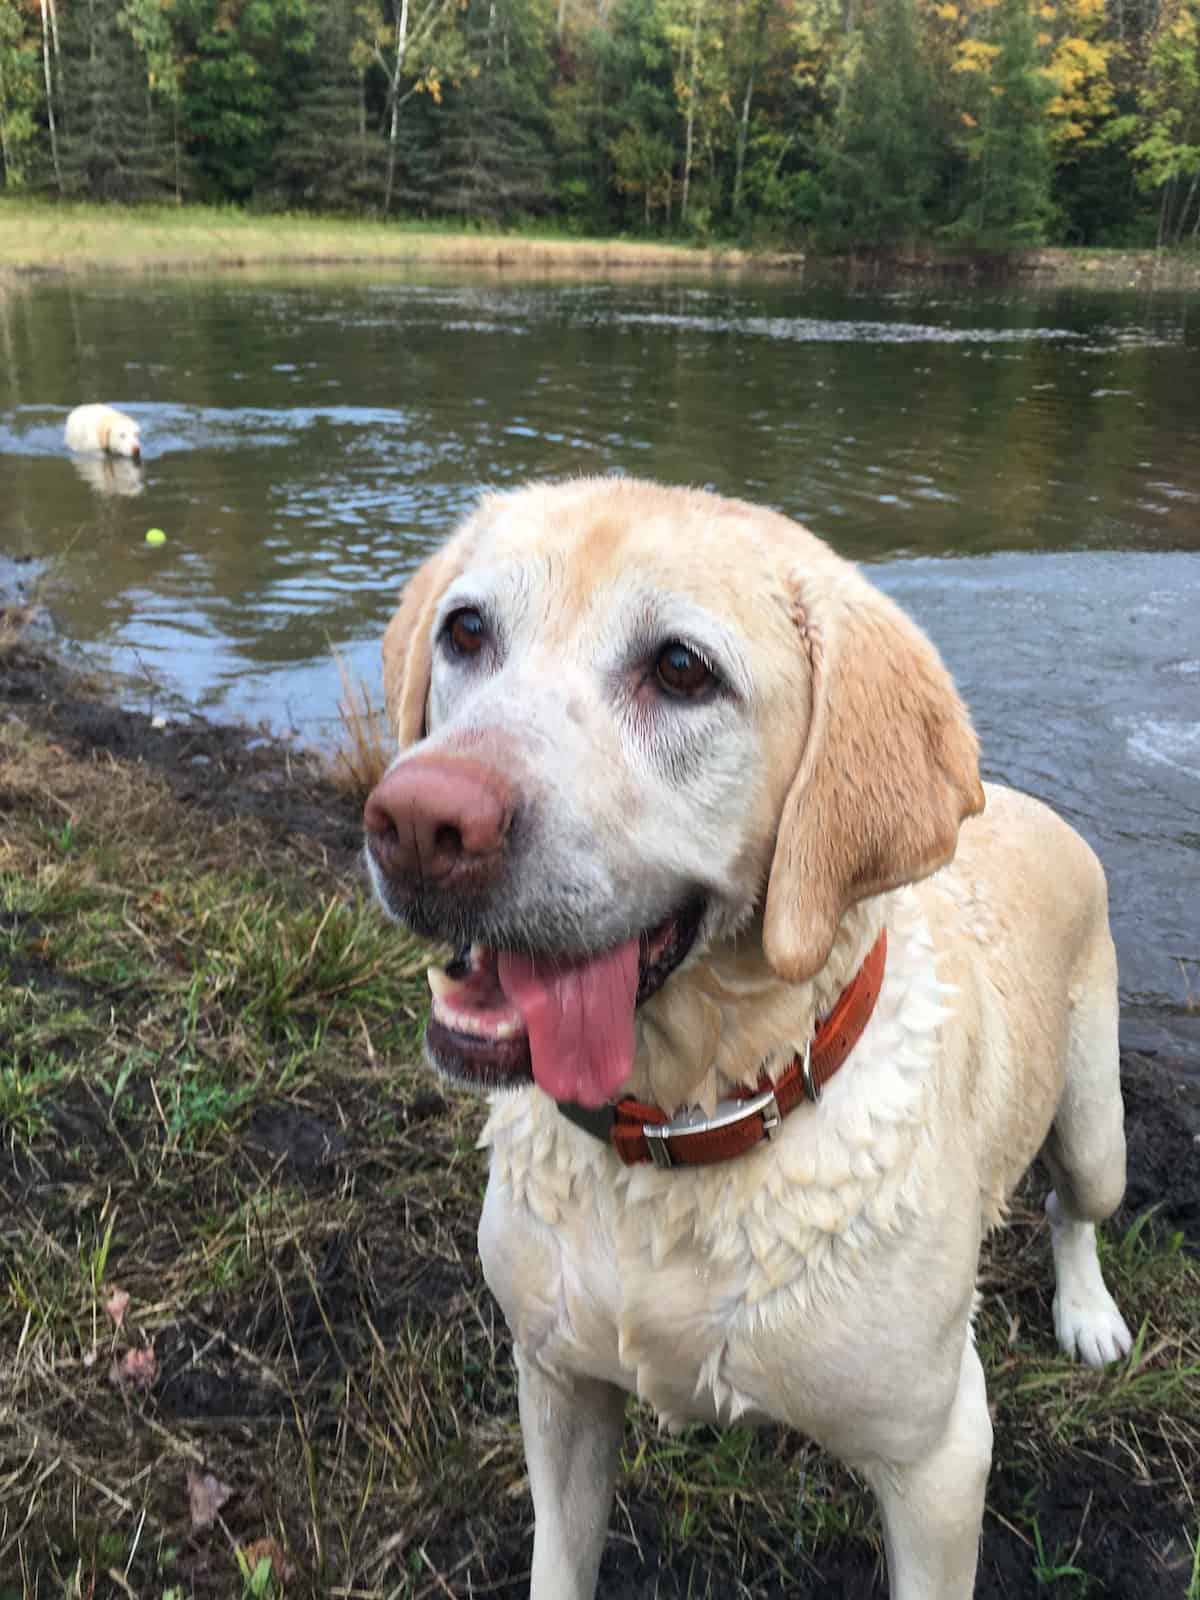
(210, 1099)
(76, 237)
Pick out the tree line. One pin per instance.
(985, 123)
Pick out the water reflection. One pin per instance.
(110, 474)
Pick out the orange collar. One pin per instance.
(640, 1132)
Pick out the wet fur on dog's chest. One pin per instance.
(673, 1284)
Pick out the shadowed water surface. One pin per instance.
(1022, 474)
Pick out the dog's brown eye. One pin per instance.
(682, 672)
(466, 631)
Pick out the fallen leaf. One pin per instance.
(206, 1496)
(268, 1550)
(138, 1367)
(116, 1305)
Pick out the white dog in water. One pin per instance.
(98, 427)
(777, 1012)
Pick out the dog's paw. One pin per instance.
(1091, 1327)
(1086, 1318)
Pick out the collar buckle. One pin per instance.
(812, 1089)
(689, 1124)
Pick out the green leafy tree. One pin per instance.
(418, 46)
(1166, 125)
(245, 58)
(19, 96)
(614, 118)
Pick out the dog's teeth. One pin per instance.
(441, 984)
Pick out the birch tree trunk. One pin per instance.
(739, 170)
(743, 132)
(394, 123)
(46, 25)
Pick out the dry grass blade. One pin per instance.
(361, 759)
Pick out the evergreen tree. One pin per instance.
(113, 144)
(329, 153)
(492, 157)
(1009, 187)
(148, 23)
(879, 169)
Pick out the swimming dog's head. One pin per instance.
(121, 436)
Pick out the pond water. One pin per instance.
(1022, 473)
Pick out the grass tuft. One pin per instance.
(368, 746)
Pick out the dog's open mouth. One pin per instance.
(501, 1018)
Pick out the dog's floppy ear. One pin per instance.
(408, 644)
(888, 772)
(104, 432)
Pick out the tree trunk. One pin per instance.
(743, 133)
(394, 122)
(50, 91)
(5, 158)
(691, 117)
(175, 147)
(1187, 206)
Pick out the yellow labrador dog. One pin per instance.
(103, 428)
(777, 1002)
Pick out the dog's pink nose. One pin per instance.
(435, 816)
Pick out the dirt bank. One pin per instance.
(211, 1104)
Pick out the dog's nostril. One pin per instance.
(447, 840)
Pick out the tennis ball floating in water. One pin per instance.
(155, 536)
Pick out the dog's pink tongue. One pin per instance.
(579, 1019)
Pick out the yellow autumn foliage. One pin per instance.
(975, 55)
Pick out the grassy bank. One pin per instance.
(211, 1104)
(76, 238)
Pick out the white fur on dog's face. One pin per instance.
(829, 760)
(632, 800)
(628, 792)
(124, 439)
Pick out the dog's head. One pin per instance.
(631, 718)
(121, 436)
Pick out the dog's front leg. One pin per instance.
(933, 1507)
(572, 1429)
